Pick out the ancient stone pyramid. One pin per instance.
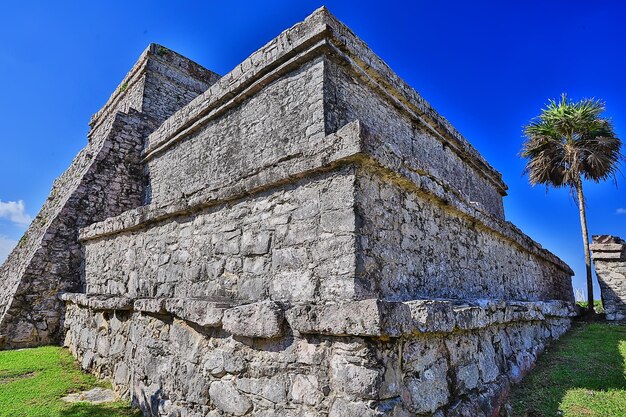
(303, 236)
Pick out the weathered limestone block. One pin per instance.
(202, 312)
(354, 370)
(228, 399)
(426, 387)
(75, 298)
(359, 318)
(109, 303)
(609, 256)
(273, 389)
(263, 319)
(150, 305)
(431, 316)
(305, 390)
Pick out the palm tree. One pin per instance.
(568, 142)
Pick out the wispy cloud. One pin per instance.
(15, 212)
(620, 210)
(6, 246)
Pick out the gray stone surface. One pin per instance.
(93, 396)
(263, 319)
(228, 399)
(105, 179)
(609, 256)
(312, 373)
(204, 255)
(312, 239)
(204, 313)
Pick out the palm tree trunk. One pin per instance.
(583, 226)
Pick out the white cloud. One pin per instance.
(15, 212)
(620, 211)
(6, 246)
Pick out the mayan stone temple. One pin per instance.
(304, 236)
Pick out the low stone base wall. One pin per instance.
(201, 358)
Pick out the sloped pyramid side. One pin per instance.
(105, 179)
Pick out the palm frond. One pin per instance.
(569, 141)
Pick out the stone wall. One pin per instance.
(413, 245)
(245, 139)
(609, 257)
(348, 233)
(105, 179)
(363, 358)
(283, 244)
(160, 83)
(397, 137)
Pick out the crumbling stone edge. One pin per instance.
(365, 318)
(362, 358)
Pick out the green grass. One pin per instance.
(583, 374)
(597, 305)
(32, 382)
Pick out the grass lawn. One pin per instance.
(32, 382)
(597, 306)
(583, 374)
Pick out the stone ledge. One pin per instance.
(345, 146)
(75, 298)
(608, 251)
(263, 319)
(608, 248)
(150, 305)
(376, 318)
(204, 313)
(365, 318)
(99, 301)
(608, 239)
(319, 28)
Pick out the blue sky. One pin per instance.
(488, 67)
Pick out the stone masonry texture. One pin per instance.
(609, 257)
(304, 236)
(105, 179)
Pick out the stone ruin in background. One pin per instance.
(303, 236)
(609, 258)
